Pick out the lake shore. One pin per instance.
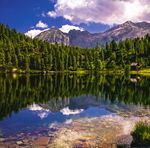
(88, 132)
(143, 72)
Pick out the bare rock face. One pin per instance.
(53, 36)
(87, 40)
(82, 38)
(126, 30)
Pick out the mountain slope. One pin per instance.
(82, 38)
(86, 39)
(126, 30)
(54, 35)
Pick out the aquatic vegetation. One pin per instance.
(141, 134)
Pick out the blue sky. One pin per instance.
(90, 15)
(25, 14)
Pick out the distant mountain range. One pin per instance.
(87, 39)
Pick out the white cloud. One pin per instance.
(102, 11)
(52, 14)
(67, 28)
(68, 17)
(67, 111)
(43, 14)
(40, 24)
(34, 32)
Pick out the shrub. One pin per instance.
(141, 134)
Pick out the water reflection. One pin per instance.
(29, 102)
(18, 93)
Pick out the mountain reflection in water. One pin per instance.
(29, 102)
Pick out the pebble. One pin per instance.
(2, 146)
(25, 141)
(19, 142)
(124, 139)
(41, 141)
(2, 139)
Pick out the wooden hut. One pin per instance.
(135, 66)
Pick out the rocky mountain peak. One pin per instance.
(54, 35)
(129, 23)
(86, 39)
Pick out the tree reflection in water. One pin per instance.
(17, 92)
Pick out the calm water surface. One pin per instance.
(35, 102)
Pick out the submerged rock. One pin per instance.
(124, 139)
(41, 141)
(94, 132)
(2, 139)
(102, 132)
(19, 142)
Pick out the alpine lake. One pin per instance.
(71, 110)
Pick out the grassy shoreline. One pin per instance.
(143, 72)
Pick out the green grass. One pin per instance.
(141, 134)
(144, 72)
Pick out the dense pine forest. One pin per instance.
(23, 54)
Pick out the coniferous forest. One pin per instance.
(21, 53)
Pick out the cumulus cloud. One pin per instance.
(67, 28)
(102, 11)
(52, 14)
(34, 32)
(40, 24)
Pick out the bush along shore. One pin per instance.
(141, 135)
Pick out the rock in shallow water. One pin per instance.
(19, 142)
(124, 139)
(41, 141)
(2, 139)
(100, 131)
